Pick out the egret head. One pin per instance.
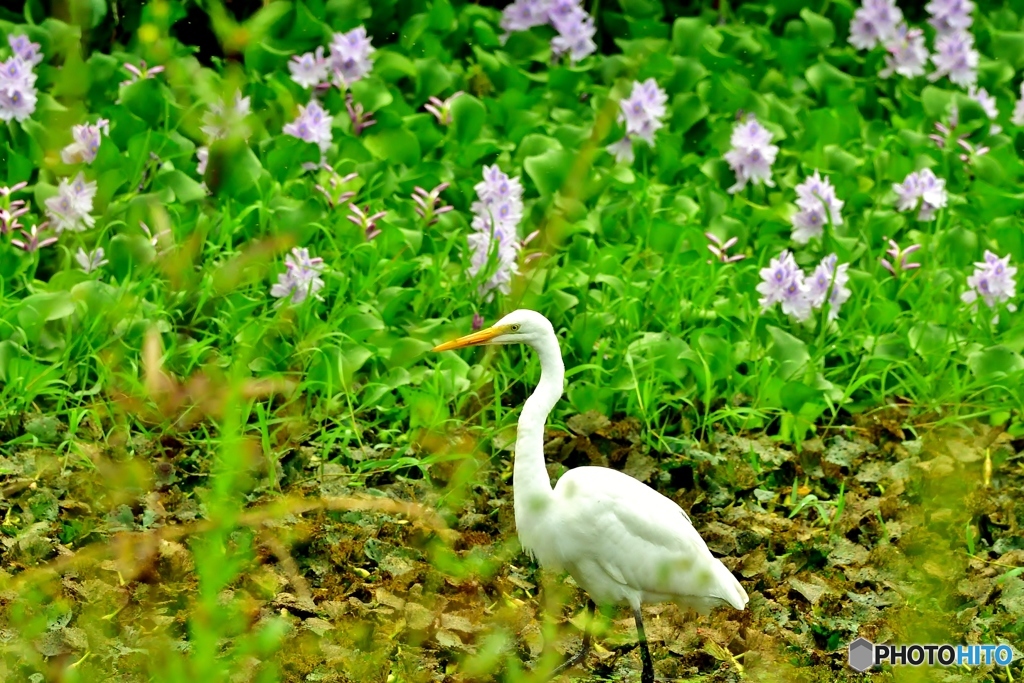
(518, 327)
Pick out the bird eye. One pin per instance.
(515, 328)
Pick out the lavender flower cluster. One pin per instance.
(819, 205)
(347, 62)
(494, 239)
(18, 79)
(575, 27)
(921, 190)
(301, 279)
(992, 282)
(881, 22)
(642, 112)
(784, 283)
(752, 154)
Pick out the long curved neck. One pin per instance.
(531, 484)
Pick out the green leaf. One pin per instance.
(789, 352)
(995, 362)
(935, 101)
(371, 93)
(1009, 47)
(396, 145)
(146, 99)
(550, 170)
(820, 28)
(823, 76)
(127, 252)
(233, 170)
(687, 110)
(185, 189)
(688, 35)
(468, 116)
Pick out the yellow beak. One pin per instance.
(481, 337)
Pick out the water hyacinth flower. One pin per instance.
(335, 194)
(310, 69)
(301, 278)
(1017, 118)
(220, 120)
(721, 249)
(441, 109)
(18, 96)
(90, 261)
(31, 241)
(494, 239)
(365, 220)
(70, 209)
(478, 322)
(956, 58)
(752, 154)
(428, 204)
(25, 49)
(899, 263)
(12, 209)
(141, 72)
(361, 120)
(907, 53)
(349, 59)
(921, 186)
(873, 23)
(828, 284)
(86, 142)
(575, 36)
(819, 205)
(782, 282)
(992, 282)
(522, 15)
(642, 112)
(950, 16)
(988, 103)
(313, 124)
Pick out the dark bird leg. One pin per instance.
(582, 654)
(645, 654)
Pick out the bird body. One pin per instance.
(623, 542)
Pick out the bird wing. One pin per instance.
(639, 537)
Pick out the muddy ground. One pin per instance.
(896, 532)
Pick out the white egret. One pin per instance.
(623, 542)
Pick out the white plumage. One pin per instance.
(623, 542)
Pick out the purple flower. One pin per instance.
(90, 261)
(575, 37)
(907, 53)
(992, 281)
(366, 221)
(360, 120)
(17, 89)
(988, 103)
(140, 72)
(899, 256)
(12, 209)
(819, 205)
(924, 186)
(309, 70)
(622, 150)
(25, 49)
(494, 242)
(86, 142)
(70, 209)
(349, 60)
(441, 109)
(643, 110)
(31, 241)
(950, 16)
(782, 282)
(313, 124)
(428, 204)
(523, 15)
(478, 322)
(752, 154)
(220, 121)
(956, 58)
(1017, 118)
(720, 249)
(873, 23)
(828, 283)
(301, 277)
(336, 195)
